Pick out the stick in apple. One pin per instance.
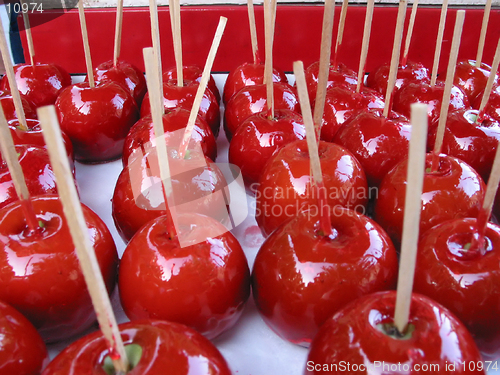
(253, 32)
(79, 232)
(409, 33)
(450, 73)
(175, 19)
(366, 42)
(118, 32)
(202, 86)
(482, 37)
(396, 49)
(155, 36)
(439, 42)
(489, 83)
(86, 46)
(411, 221)
(312, 145)
(340, 32)
(268, 70)
(29, 37)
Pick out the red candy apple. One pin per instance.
(301, 277)
(341, 76)
(22, 350)
(156, 347)
(40, 84)
(126, 75)
(204, 285)
(192, 73)
(258, 137)
(285, 185)
(183, 96)
(453, 191)
(361, 339)
(377, 142)
(96, 119)
(456, 271)
(9, 109)
(40, 273)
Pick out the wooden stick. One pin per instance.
(202, 87)
(439, 42)
(155, 37)
(312, 145)
(86, 46)
(79, 232)
(324, 64)
(340, 32)
(118, 32)
(450, 74)
(482, 37)
(178, 42)
(409, 34)
(411, 221)
(9, 154)
(253, 32)
(396, 48)
(365, 44)
(29, 36)
(490, 82)
(489, 197)
(268, 69)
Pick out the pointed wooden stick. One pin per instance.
(396, 48)
(450, 74)
(11, 77)
(404, 60)
(86, 46)
(411, 221)
(118, 32)
(365, 43)
(29, 36)
(340, 32)
(268, 69)
(324, 64)
(155, 37)
(202, 87)
(177, 35)
(482, 37)
(79, 232)
(490, 82)
(439, 42)
(489, 197)
(253, 32)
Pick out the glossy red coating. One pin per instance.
(138, 195)
(192, 73)
(183, 96)
(166, 346)
(454, 191)
(248, 74)
(379, 143)
(285, 186)
(40, 84)
(423, 92)
(472, 140)
(9, 110)
(300, 278)
(259, 137)
(126, 75)
(96, 119)
(341, 103)
(22, 350)
(204, 286)
(492, 107)
(356, 336)
(141, 136)
(40, 273)
(464, 280)
(337, 76)
(253, 99)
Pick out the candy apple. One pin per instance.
(142, 134)
(253, 99)
(40, 84)
(248, 74)
(377, 142)
(22, 350)
(411, 72)
(454, 190)
(40, 273)
(362, 339)
(96, 119)
(423, 92)
(301, 277)
(258, 137)
(204, 285)
(9, 110)
(469, 138)
(492, 106)
(341, 103)
(183, 96)
(285, 185)
(126, 75)
(138, 194)
(192, 73)
(454, 269)
(341, 76)
(154, 347)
